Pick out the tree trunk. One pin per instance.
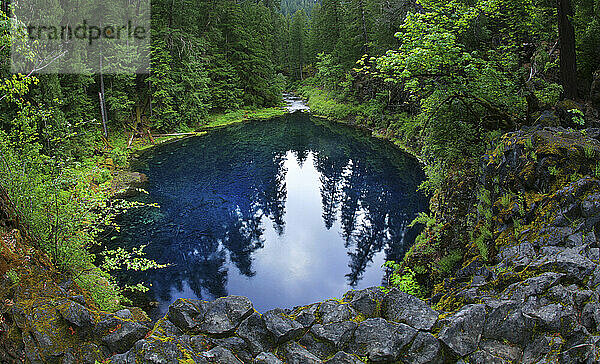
(365, 47)
(102, 101)
(568, 58)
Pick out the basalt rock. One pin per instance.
(266, 358)
(343, 358)
(366, 302)
(254, 331)
(296, 354)
(401, 307)
(282, 327)
(125, 335)
(381, 341)
(224, 315)
(461, 331)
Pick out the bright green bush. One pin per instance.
(405, 280)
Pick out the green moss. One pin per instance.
(448, 262)
(358, 318)
(450, 303)
(101, 289)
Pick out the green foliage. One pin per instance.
(460, 90)
(329, 72)
(289, 7)
(481, 242)
(482, 235)
(242, 115)
(122, 259)
(506, 199)
(577, 116)
(533, 155)
(549, 94)
(587, 32)
(322, 103)
(449, 262)
(102, 288)
(404, 280)
(119, 156)
(485, 197)
(13, 276)
(589, 151)
(62, 212)
(423, 218)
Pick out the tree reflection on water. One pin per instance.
(223, 198)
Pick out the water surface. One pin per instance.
(286, 212)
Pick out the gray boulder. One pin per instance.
(167, 327)
(570, 262)
(590, 316)
(282, 327)
(306, 319)
(343, 358)
(508, 322)
(237, 346)
(319, 347)
(296, 354)
(76, 314)
(534, 286)
(186, 314)
(518, 256)
(123, 338)
(160, 351)
(125, 358)
(425, 349)
(366, 301)
(224, 315)
(401, 307)
(220, 355)
(333, 311)
(200, 343)
(266, 358)
(125, 314)
(462, 331)
(337, 334)
(540, 346)
(254, 331)
(590, 206)
(380, 340)
(554, 317)
(496, 352)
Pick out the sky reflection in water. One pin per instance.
(286, 212)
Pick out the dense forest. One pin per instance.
(444, 79)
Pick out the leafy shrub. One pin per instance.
(577, 116)
(61, 210)
(324, 104)
(405, 280)
(447, 263)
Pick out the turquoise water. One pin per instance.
(287, 212)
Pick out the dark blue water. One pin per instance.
(287, 212)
